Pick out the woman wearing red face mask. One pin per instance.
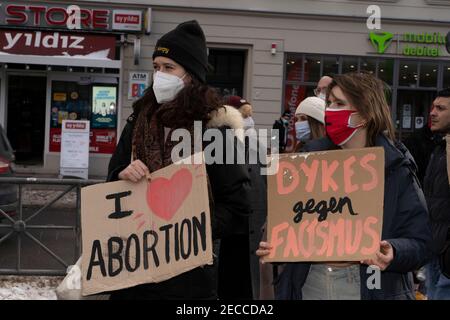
(358, 116)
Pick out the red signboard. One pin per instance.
(57, 44)
(54, 16)
(71, 16)
(101, 140)
(127, 18)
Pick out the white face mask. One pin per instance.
(166, 86)
(249, 123)
(322, 96)
(302, 131)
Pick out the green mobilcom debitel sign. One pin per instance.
(410, 44)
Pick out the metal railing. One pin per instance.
(20, 226)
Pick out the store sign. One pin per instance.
(424, 44)
(57, 44)
(70, 16)
(130, 20)
(138, 83)
(75, 148)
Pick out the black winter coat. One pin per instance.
(230, 187)
(437, 192)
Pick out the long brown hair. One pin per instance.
(194, 102)
(368, 95)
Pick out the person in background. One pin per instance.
(282, 125)
(244, 107)
(310, 115)
(321, 90)
(358, 116)
(437, 193)
(239, 277)
(421, 145)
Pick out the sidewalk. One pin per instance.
(28, 287)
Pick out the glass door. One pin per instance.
(413, 108)
(26, 117)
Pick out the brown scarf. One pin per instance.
(149, 135)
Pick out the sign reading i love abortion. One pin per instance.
(150, 231)
(326, 206)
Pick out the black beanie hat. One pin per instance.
(186, 45)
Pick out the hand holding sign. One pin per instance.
(135, 171)
(263, 250)
(383, 258)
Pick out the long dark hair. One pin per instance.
(194, 102)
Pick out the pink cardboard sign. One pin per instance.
(326, 206)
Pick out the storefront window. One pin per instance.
(78, 101)
(349, 64)
(408, 74)
(368, 65)
(386, 70)
(428, 74)
(330, 66)
(294, 67)
(312, 68)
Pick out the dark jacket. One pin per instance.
(282, 131)
(405, 227)
(421, 145)
(437, 192)
(230, 187)
(258, 216)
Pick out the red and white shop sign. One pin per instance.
(57, 44)
(69, 16)
(130, 20)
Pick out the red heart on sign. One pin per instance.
(165, 197)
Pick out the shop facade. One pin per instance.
(273, 56)
(62, 63)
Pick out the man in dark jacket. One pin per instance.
(282, 126)
(437, 192)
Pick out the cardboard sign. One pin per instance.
(151, 231)
(74, 159)
(326, 206)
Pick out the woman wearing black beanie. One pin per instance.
(178, 97)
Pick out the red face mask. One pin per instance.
(338, 125)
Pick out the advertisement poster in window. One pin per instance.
(104, 101)
(102, 141)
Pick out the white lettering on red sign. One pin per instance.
(36, 40)
(74, 125)
(127, 18)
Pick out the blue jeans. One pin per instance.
(438, 285)
(331, 283)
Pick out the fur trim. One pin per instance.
(230, 117)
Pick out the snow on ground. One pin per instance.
(28, 288)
